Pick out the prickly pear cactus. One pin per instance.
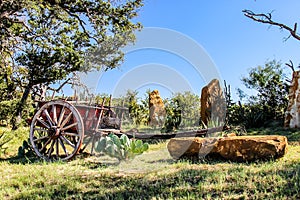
(121, 148)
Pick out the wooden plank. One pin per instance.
(195, 133)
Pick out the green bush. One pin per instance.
(121, 148)
(7, 109)
(271, 100)
(4, 139)
(173, 116)
(250, 116)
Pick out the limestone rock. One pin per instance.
(292, 114)
(213, 105)
(235, 148)
(157, 109)
(230, 135)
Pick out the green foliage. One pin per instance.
(8, 108)
(138, 112)
(182, 110)
(246, 115)
(173, 116)
(121, 148)
(8, 89)
(48, 40)
(270, 102)
(212, 123)
(4, 139)
(189, 106)
(270, 83)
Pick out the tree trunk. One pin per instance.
(20, 106)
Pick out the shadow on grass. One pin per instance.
(90, 164)
(21, 160)
(293, 135)
(237, 181)
(125, 187)
(169, 161)
(286, 181)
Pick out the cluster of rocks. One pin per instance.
(213, 106)
(235, 148)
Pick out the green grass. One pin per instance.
(293, 135)
(152, 175)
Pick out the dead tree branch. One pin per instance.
(267, 19)
(290, 65)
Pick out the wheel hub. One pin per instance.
(54, 132)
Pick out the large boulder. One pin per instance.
(213, 105)
(156, 108)
(236, 148)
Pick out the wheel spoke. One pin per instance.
(40, 129)
(44, 123)
(63, 146)
(69, 126)
(43, 148)
(54, 114)
(50, 150)
(66, 120)
(61, 116)
(41, 138)
(67, 141)
(70, 134)
(57, 147)
(48, 117)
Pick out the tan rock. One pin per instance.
(157, 109)
(213, 105)
(235, 148)
(230, 135)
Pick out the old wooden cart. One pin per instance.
(59, 127)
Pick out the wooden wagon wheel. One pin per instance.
(56, 131)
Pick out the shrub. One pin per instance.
(4, 139)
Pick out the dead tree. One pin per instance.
(267, 19)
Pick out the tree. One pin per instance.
(173, 116)
(270, 83)
(49, 39)
(189, 104)
(138, 112)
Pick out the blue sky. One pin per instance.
(233, 42)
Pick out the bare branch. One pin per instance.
(62, 85)
(267, 19)
(290, 65)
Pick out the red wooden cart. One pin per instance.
(59, 127)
